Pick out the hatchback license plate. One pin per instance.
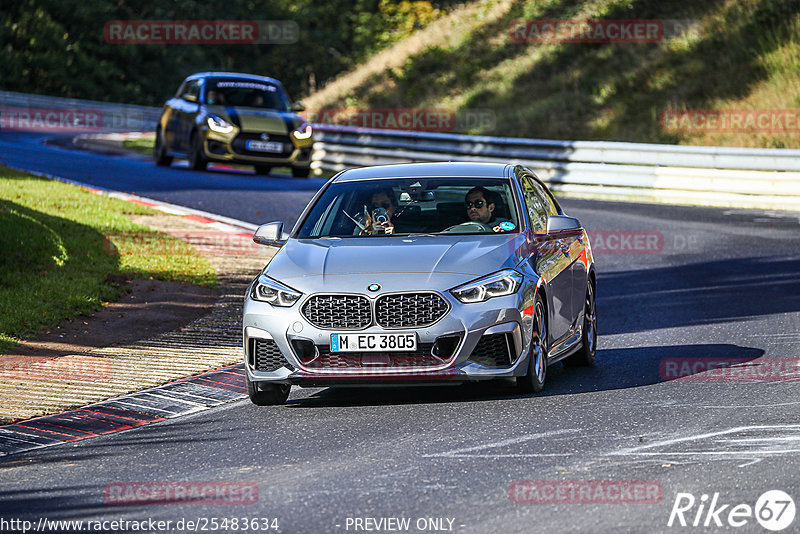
(265, 146)
(395, 341)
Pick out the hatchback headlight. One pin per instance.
(218, 124)
(499, 284)
(268, 290)
(303, 131)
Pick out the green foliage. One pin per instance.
(57, 47)
(61, 248)
(715, 56)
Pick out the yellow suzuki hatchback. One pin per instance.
(229, 117)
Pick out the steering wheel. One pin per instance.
(469, 227)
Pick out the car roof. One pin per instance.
(427, 170)
(240, 75)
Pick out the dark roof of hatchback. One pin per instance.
(427, 170)
(240, 75)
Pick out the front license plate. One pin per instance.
(395, 341)
(265, 146)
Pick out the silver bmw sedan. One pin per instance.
(425, 273)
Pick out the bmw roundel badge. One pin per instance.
(373, 287)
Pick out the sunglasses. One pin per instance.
(478, 204)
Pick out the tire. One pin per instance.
(160, 151)
(586, 354)
(267, 394)
(533, 381)
(197, 161)
(263, 169)
(301, 172)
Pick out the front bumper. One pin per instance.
(232, 148)
(471, 342)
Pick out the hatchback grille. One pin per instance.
(410, 310)
(348, 312)
(421, 357)
(240, 145)
(265, 355)
(492, 351)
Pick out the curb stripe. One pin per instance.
(55, 436)
(51, 425)
(199, 218)
(97, 426)
(129, 414)
(184, 396)
(124, 421)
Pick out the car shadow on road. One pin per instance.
(623, 368)
(700, 293)
(614, 369)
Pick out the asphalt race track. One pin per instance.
(714, 286)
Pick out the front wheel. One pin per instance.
(586, 354)
(262, 394)
(197, 160)
(301, 172)
(160, 151)
(533, 381)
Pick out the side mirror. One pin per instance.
(189, 97)
(270, 234)
(298, 106)
(560, 223)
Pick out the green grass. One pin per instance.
(64, 250)
(734, 55)
(142, 145)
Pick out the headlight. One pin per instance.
(218, 124)
(268, 290)
(499, 284)
(303, 131)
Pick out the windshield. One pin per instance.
(246, 93)
(406, 206)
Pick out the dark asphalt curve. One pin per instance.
(713, 286)
(238, 194)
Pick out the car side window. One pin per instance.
(181, 89)
(535, 204)
(194, 89)
(547, 199)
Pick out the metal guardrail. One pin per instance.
(26, 112)
(717, 176)
(703, 175)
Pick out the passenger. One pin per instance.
(480, 204)
(255, 100)
(382, 198)
(215, 98)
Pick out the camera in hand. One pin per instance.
(379, 216)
